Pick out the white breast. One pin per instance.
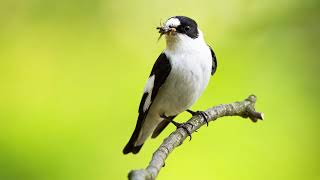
(191, 63)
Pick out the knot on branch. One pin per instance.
(141, 174)
(250, 111)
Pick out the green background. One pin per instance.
(72, 74)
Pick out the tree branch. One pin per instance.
(243, 109)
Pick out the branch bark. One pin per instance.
(243, 109)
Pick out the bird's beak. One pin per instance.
(166, 30)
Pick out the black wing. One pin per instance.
(214, 62)
(160, 70)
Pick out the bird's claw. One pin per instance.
(203, 114)
(185, 127)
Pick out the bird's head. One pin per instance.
(179, 25)
(179, 28)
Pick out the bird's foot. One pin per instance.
(203, 114)
(183, 126)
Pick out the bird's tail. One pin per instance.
(144, 128)
(131, 147)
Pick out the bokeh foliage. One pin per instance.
(72, 73)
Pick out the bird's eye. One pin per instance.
(187, 28)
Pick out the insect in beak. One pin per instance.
(166, 30)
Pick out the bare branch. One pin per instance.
(243, 109)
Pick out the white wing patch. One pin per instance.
(148, 88)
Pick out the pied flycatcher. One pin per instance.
(178, 78)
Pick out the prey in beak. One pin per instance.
(166, 30)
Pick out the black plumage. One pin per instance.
(160, 70)
(214, 62)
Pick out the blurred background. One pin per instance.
(72, 75)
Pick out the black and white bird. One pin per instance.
(178, 78)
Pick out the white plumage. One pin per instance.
(178, 78)
(148, 88)
(191, 63)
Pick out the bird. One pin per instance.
(178, 78)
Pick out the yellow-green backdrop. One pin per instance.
(72, 74)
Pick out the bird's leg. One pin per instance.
(203, 114)
(179, 125)
(183, 126)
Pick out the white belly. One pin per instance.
(188, 78)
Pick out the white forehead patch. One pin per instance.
(174, 22)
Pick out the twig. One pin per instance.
(244, 109)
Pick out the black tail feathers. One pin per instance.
(130, 148)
